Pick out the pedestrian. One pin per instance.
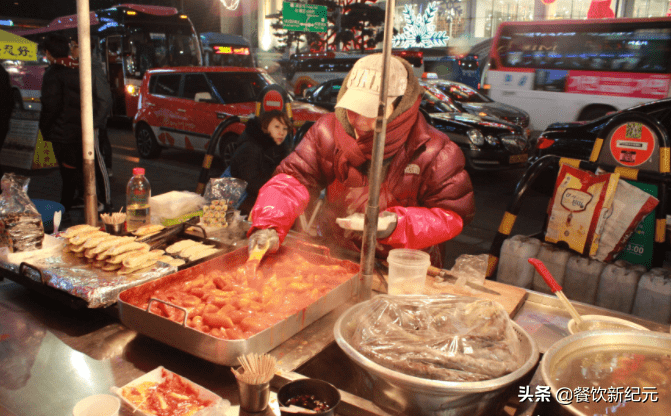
(102, 105)
(6, 107)
(263, 146)
(425, 190)
(60, 117)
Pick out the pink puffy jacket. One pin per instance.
(425, 185)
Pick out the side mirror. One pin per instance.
(203, 97)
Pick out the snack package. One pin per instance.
(229, 189)
(449, 338)
(175, 204)
(630, 206)
(578, 208)
(21, 227)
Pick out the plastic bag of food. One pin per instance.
(229, 189)
(447, 338)
(578, 208)
(21, 227)
(175, 204)
(630, 206)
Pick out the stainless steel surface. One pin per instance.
(222, 351)
(546, 320)
(598, 341)
(418, 396)
(253, 397)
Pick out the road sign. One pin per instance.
(303, 17)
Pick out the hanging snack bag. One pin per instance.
(578, 208)
(21, 226)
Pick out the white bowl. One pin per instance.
(97, 405)
(599, 322)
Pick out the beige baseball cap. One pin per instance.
(365, 81)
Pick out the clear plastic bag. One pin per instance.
(20, 222)
(230, 189)
(447, 338)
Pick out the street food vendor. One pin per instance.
(426, 192)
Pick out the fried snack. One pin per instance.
(172, 261)
(193, 250)
(111, 267)
(119, 258)
(126, 247)
(81, 238)
(203, 253)
(92, 242)
(135, 261)
(179, 246)
(146, 266)
(77, 229)
(77, 249)
(107, 244)
(148, 229)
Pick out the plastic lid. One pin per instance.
(138, 171)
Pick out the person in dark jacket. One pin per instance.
(60, 118)
(425, 188)
(263, 147)
(6, 106)
(102, 105)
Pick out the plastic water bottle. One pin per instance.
(138, 192)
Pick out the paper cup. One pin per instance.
(97, 405)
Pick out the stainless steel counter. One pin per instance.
(51, 356)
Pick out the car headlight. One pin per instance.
(476, 137)
(493, 141)
(132, 90)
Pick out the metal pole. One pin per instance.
(375, 173)
(86, 92)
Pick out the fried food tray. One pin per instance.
(222, 351)
(70, 280)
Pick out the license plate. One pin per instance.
(521, 158)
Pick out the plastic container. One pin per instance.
(653, 297)
(97, 405)
(310, 387)
(617, 286)
(555, 259)
(407, 271)
(138, 194)
(514, 267)
(581, 278)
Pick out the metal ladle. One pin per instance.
(557, 290)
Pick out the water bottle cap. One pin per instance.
(138, 171)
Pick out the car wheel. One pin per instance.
(227, 147)
(18, 100)
(592, 113)
(147, 146)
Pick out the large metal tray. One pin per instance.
(222, 351)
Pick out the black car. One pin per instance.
(488, 143)
(576, 140)
(468, 100)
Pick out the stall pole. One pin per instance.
(375, 173)
(86, 93)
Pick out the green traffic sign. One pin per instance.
(303, 17)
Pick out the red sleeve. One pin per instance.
(419, 228)
(281, 200)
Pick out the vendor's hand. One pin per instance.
(386, 223)
(261, 238)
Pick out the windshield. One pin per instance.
(462, 93)
(238, 87)
(156, 47)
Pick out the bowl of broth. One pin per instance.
(611, 372)
(602, 322)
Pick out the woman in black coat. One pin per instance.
(263, 146)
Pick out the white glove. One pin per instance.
(386, 223)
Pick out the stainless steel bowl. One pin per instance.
(594, 341)
(410, 395)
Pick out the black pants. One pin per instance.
(71, 154)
